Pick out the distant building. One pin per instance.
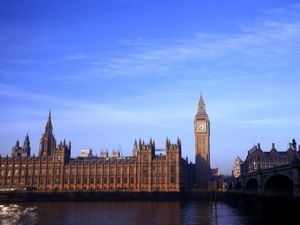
(216, 181)
(116, 154)
(86, 153)
(259, 159)
(104, 154)
(237, 167)
(215, 172)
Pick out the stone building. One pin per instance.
(259, 159)
(54, 169)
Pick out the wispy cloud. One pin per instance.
(75, 57)
(83, 111)
(264, 121)
(263, 41)
(20, 61)
(12, 91)
(274, 121)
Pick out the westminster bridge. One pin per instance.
(279, 181)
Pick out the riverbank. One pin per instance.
(28, 196)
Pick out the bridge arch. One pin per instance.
(278, 185)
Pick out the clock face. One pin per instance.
(201, 126)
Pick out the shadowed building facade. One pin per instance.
(54, 169)
(257, 159)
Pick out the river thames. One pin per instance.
(132, 213)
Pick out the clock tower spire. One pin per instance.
(201, 108)
(202, 145)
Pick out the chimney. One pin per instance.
(273, 146)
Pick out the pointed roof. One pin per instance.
(49, 126)
(17, 143)
(201, 101)
(49, 116)
(26, 140)
(201, 108)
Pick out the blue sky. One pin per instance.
(112, 71)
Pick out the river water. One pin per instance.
(132, 213)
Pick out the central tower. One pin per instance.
(48, 143)
(202, 145)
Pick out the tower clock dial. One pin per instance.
(201, 126)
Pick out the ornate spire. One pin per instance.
(26, 147)
(49, 116)
(201, 108)
(168, 143)
(17, 143)
(26, 141)
(49, 126)
(48, 142)
(178, 141)
(135, 145)
(201, 101)
(27, 137)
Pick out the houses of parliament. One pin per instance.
(143, 171)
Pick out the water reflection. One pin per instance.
(109, 212)
(127, 212)
(208, 213)
(16, 214)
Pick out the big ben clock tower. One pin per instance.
(202, 145)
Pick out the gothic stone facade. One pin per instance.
(54, 169)
(259, 159)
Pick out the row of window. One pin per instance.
(263, 165)
(73, 171)
(98, 180)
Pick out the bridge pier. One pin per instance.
(296, 179)
(259, 183)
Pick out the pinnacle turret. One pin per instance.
(17, 143)
(49, 126)
(26, 140)
(26, 147)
